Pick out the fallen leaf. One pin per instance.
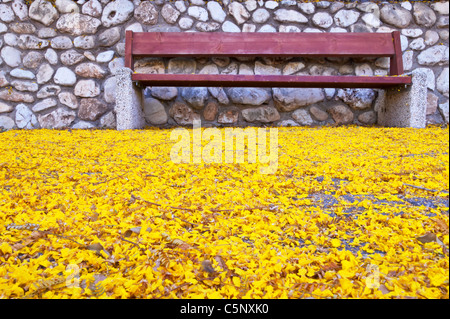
(384, 290)
(98, 248)
(129, 232)
(221, 262)
(442, 225)
(427, 238)
(208, 267)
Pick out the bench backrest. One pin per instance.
(296, 44)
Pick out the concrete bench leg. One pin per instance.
(404, 106)
(129, 114)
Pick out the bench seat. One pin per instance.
(286, 81)
(401, 100)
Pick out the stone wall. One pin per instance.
(58, 59)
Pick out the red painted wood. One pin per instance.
(195, 44)
(293, 81)
(168, 44)
(129, 63)
(396, 61)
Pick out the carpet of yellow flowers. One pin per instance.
(351, 212)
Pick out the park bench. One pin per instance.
(407, 98)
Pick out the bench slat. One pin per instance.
(292, 81)
(203, 44)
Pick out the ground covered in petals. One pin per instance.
(350, 212)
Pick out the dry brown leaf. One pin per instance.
(330, 266)
(221, 262)
(94, 217)
(427, 238)
(442, 225)
(35, 235)
(97, 248)
(208, 267)
(131, 231)
(384, 289)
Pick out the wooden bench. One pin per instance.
(220, 44)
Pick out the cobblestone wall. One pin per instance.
(58, 58)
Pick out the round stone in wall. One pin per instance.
(92, 8)
(44, 73)
(86, 88)
(109, 37)
(22, 27)
(433, 55)
(6, 122)
(229, 26)
(358, 99)
(68, 99)
(424, 15)
(183, 114)
(85, 42)
(90, 70)
(154, 111)
(22, 74)
(25, 86)
(43, 12)
(302, 117)
(5, 108)
(164, 92)
(105, 56)
(260, 15)
(249, 96)
(117, 12)
(341, 114)
(368, 118)
(169, 13)
(285, 15)
(11, 56)
(57, 119)
(146, 13)
(262, 114)
(290, 99)
(91, 109)
(33, 59)
(207, 26)
(198, 13)
(322, 20)
(44, 105)
(149, 65)
(238, 11)
(66, 6)
(47, 91)
(228, 117)
(216, 11)
(345, 18)
(20, 9)
(182, 65)
(395, 15)
(318, 113)
(71, 57)
(61, 43)
(210, 111)
(108, 121)
(195, 96)
(25, 119)
(65, 76)
(185, 23)
(77, 24)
